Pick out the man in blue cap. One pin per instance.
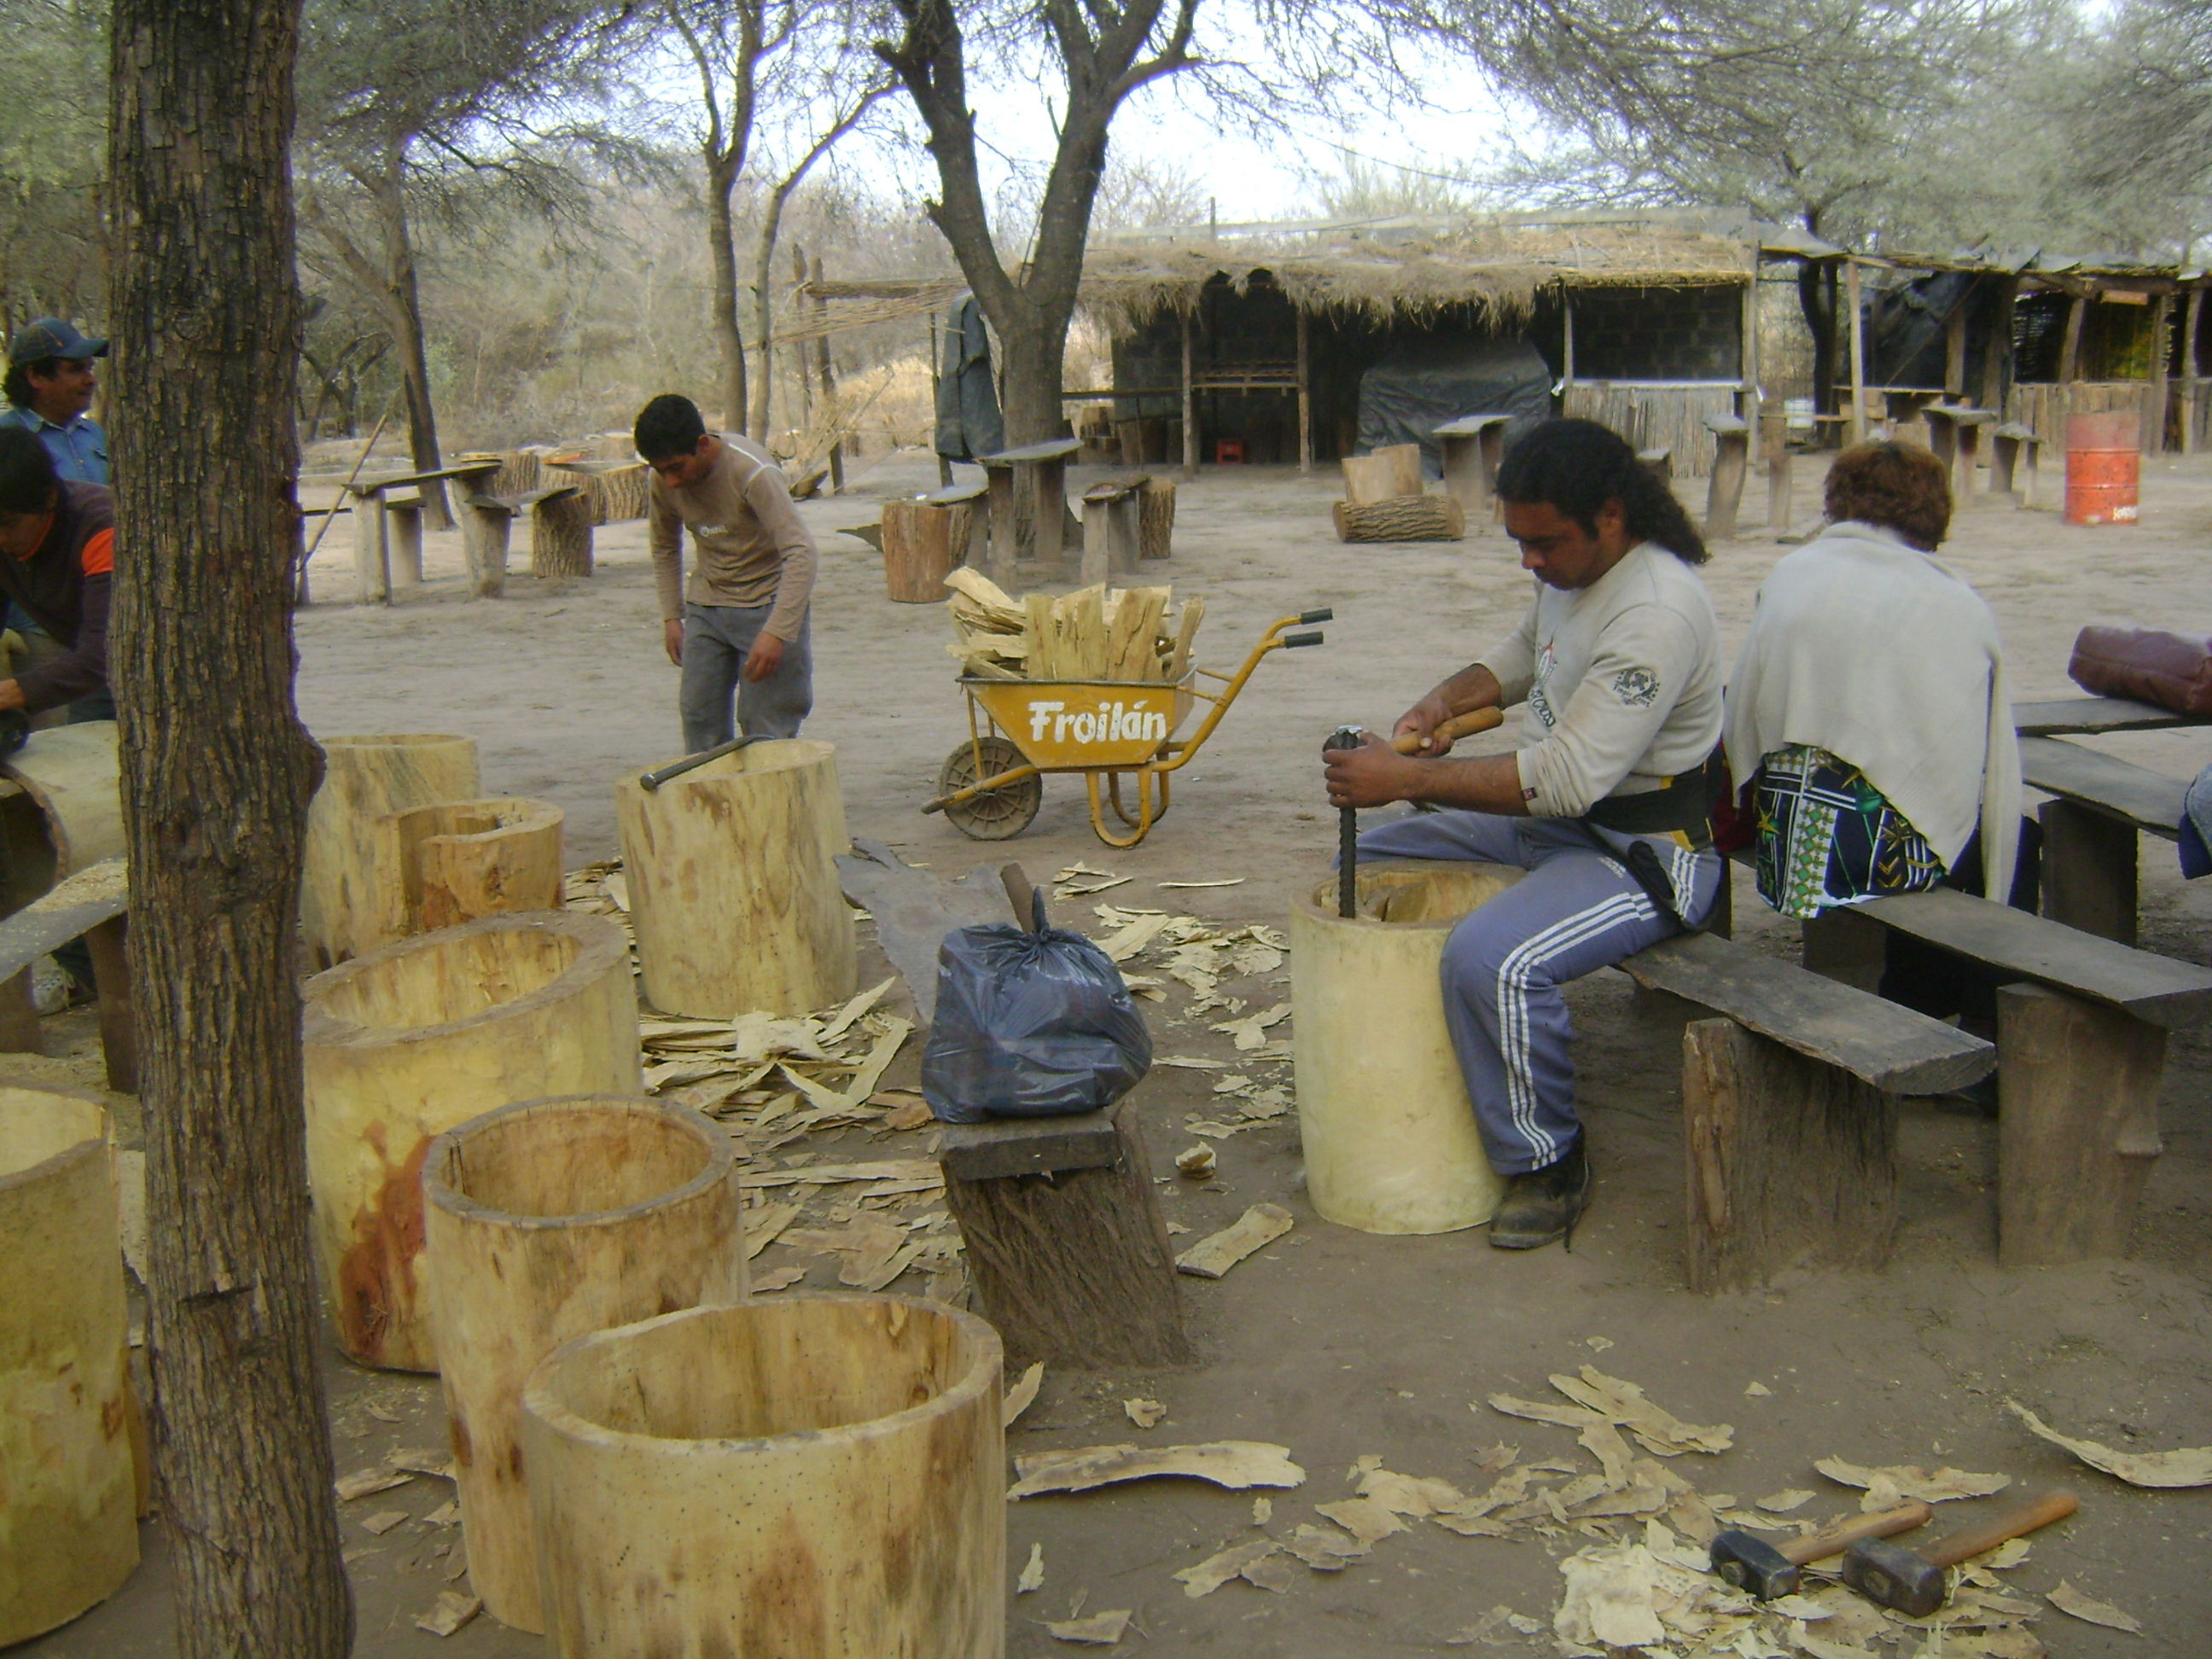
(49, 387)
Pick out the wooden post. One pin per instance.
(2089, 870)
(1954, 350)
(1005, 532)
(2192, 383)
(1842, 946)
(1731, 460)
(1074, 1266)
(1790, 1163)
(543, 1222)
(21, 1032)
(2154, 433)
(1775, 427)
(1858, 412)
(369, 556)
(2070, 360)
(1747, 349)
(843, 1454)
(1305, 396)
(1048, 510)
(404, 530)
(1189, 402)
(409, 1040)
(1566, 336)
(1997, 348)
(828, 373)
(118, 1010)
(2078, 1085)
(936, 379)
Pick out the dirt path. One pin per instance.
(1334, 1344)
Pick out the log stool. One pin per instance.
(1112, 512)
(1065, 1243)
(923, 541)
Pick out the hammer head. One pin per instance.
(1345, 736)
(1754, 1565)
(1894, 1576)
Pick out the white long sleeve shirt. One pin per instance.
(1622, 681)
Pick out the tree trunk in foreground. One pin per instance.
(216, 775)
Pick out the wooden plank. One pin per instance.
(1894, 1049)
(2092, 714)
(1053, 449)
(98, 893)
(1029, 1146)
(2164, 992)
(1791, 1163)
(2116, 787)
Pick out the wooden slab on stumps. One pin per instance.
(1075, 1268)
(1790, 1163)
(1883, 1045)
(2077, 1125)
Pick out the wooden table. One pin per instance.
(1471, 447)
(1045, 467)
(1955, 434)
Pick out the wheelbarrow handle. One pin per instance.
(1323, 614)
(1291, 642)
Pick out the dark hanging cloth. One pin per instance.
(968, 421)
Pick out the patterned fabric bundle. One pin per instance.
(1827, 837)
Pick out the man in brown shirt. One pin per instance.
(741, 625)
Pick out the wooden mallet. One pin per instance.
(1913, 1580)
(1458, 726)
(1766, 1570)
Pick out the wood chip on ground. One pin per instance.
(1211, 1257)
(1019, 1397)
(2187, 1465)
(1232, 1463)
(451, 1611)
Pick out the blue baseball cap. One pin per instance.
(51, 337)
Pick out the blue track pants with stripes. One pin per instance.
(1578, 909)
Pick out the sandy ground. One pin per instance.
(1334, 1344)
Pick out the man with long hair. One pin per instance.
(1608, 804)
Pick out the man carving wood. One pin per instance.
(1608, 804)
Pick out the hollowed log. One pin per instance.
(407, 1041)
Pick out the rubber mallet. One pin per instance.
(1766, 1570)
(1913, 1582)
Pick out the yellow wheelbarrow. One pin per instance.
(992, 785)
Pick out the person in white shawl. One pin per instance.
(1872, 670)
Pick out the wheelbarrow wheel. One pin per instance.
(997, 814)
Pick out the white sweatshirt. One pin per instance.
(1622, 679)
(1870, 649)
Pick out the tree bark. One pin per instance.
(217, 773)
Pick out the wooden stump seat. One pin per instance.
(2008, 444)
(1113, 510)
(1731, 462)
(1471, 447)
(1789, 1108)
(2081, 1055)
(1065, 1245)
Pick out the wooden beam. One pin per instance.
(1305, 398)
(2069, 354)
(1857, 411)
(1190, 400)
(2191, 384)
(1954, 350)
(1996, 351)
(1566, 336)
(2154, 434)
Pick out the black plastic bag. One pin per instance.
(1030, 1022)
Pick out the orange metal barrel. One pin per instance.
(2104, 469)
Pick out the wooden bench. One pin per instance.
(1066, 1244)
(974, 495)
(560, 534)
(2008, 442)
(2080, 1053)
(2089, 831)
(1731, 461)
(1113, 509)
(388, 537)
(2088, 716)
(1955, 434)
(92, 905)
(1472, 448)
(1789, 1108)
(1044, 468)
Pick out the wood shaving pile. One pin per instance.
(1095, 633)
